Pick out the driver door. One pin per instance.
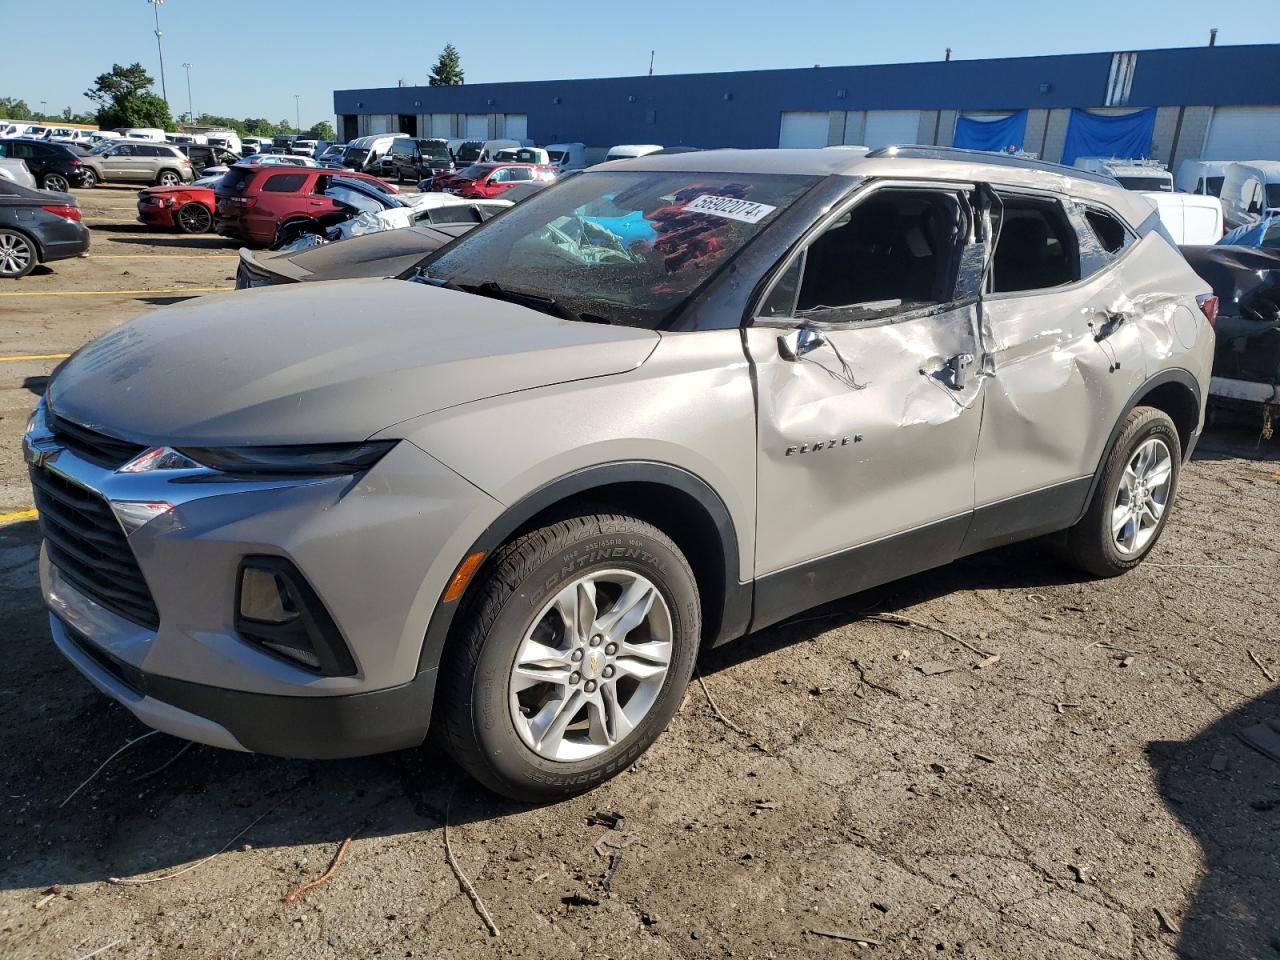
(865, 355)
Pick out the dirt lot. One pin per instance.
(1083, 796)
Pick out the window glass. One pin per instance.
(1035, 246)
(520, 173)
(500, 176)
(284, 183)
(1213, 186)
(1107, 230)
(898, 250)
(22, 151)
(353, 198)
(781, 301)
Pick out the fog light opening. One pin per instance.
(265, 597)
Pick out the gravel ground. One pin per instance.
(1085, 795)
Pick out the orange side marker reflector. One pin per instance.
(466, 570)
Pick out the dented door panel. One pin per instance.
(864, 437)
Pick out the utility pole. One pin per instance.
(155, 6)
(651, 53)
(191, 111)
(297, 110)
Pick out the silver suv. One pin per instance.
(136, 161)
(653, 408)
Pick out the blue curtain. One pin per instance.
(999, 135)
(1093, 135)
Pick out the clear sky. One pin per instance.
(250, 57)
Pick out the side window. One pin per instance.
(1035, 248)
(353, 198)
(896, 251)
(1107, 230)
(521, 173)
(499, 176)
(284, 183)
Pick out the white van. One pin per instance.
(629, 151)
(482, 151)
(1191, 219)
(1140, 175)
(567, 156)
(1201, 176)
(186, 139)
(363, 153)
(144, 133)
(226, 139)
(1250, 191)
(523, 155)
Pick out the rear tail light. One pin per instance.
(75, 162)
(1209, 307)
(63, 210)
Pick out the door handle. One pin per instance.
(1113, 322)
(959, 366)
(798, 342)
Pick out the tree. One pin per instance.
(259, 127)
(11, 108)
(448, 69)
(322, 131)
(125, 99)
(231, 123)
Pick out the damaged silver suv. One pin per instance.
(662, 404)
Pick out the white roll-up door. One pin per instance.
(477, 126)
(803, 129)
(1243, 133)
(517, 126)
(441, 125)
(886, 127)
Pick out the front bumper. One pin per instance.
(377, 549)
(155, 215)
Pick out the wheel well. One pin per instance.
(677, 514)
(34, 242)
(1176, 400)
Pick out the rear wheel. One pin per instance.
(55, 181)
(193, 218)
(1134, 497)
(577, 648)
(293, 230)
(168, 178)
(88, 178)
(18, 255)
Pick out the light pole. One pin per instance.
(297, 110)
(155, 6)
(191, 111)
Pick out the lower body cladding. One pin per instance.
(365, 558)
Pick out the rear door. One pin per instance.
(869, 405)
(1064, 343)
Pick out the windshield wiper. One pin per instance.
(491, 288)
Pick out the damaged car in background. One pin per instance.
(519, 487)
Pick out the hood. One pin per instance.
(324, 362)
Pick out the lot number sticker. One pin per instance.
(731, 208)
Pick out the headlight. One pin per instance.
(324, 459)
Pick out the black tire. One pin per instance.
(516, 583)
(18, 254)
(1090, 544)
(88, 179)
(168, 178)
(193, 218)
(56, 182)
(293, 230)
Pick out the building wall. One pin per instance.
(744, 109)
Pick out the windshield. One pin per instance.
(355, 155)
(438, 151)
(470, 151)
(1273, 196)
(556, 156)
(629, 246)
(473, 172)
(1141, 182)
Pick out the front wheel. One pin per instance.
(193, 218)
(88, 179)
(56, 182)
(575, 652)
(1134, 497)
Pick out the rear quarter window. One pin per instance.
(284, 183)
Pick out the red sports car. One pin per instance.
(488, 180)
(188, 209)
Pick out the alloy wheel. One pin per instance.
(194, 218)
(591, 666)
(89, 179)
(56, 182)
(1143, 496)
(169, 179)
(16, 254)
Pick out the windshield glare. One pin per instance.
(470, 151)
(629, 246)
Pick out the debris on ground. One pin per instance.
(606, 818)
(863, 679)
(1261, 666)
(1080, 872)
(716, 710)
(1167, 922)
(130, 882)
(299, 892)
(899, 620)
(849, 937)
(989, 662)
(607, 880)
(579, 900)
(102, 766)
(934, 667)
(621, 844)
(984, 758)
(463, 880)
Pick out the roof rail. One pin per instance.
(915, 152)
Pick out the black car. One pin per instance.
(410, 159)
(204, 155)
(55, 166)
(37, 226)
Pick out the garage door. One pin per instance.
(885, 127)
(517, 126)
(802, 129)
(477, 126)
(1243, 133)
(441, 125)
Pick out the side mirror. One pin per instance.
(794, 345)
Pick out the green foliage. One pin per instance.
(259, 127)
(11, 108)
(125, 99)
(448, 69)
(231, 123)
(322, 131)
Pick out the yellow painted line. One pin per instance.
(18, 515)
(36, 356)
(114, 293)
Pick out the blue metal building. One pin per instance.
(1218, 102)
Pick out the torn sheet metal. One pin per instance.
(1247, 284)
